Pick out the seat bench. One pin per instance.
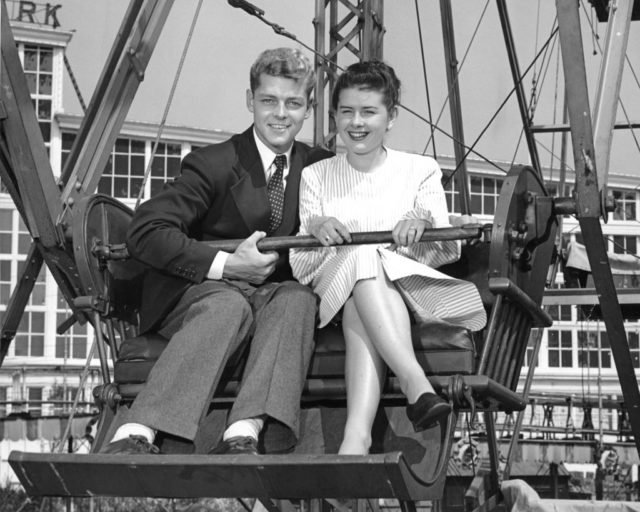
(441, 349)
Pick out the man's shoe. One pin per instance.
(428, 410)
(129, 446)
(236, 446)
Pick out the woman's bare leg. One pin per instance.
(364, 375)
(385, 318)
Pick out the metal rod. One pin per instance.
(468, 232)
(455, 105)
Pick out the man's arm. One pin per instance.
(159, 231)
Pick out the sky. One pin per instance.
(210, 92)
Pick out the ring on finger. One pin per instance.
(327, 239)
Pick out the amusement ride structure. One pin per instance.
(80, 237)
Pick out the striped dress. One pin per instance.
(406, 186)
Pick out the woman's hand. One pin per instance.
(409, 231)
(329, 231)
(462, 220)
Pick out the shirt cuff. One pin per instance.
(217, 267)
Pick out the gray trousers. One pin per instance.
(206, 327)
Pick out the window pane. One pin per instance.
(45, 84)
(37, 345)
(21, 345)
(122, 145)
(476, 204)
(30, 59)
(79, 347)
(137, 165)
(46, 60)
(60, 343)
(31, 82)
(121, 165)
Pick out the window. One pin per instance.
(63, 397)
(73, 343)
(67, 143)
(123, 175)
(34, 397)
(588, 345)
(484, 194)
(451, 192)
(38, 70)
(29, 340)
(625, 208)
(166, 165)
(560, 313)
(560, 348)
(625, 244)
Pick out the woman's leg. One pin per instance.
(364, 375)
(385, 318)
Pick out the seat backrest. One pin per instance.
(522, 250)
(106, 270)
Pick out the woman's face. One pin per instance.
(362, 120)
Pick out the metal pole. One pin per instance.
(608, 92)
(515, 73)
(451, 62)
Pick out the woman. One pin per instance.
(374, 188)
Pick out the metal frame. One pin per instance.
(360, 30)
(588, 205)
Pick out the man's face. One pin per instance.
(279, 106)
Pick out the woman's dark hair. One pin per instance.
(369, 75)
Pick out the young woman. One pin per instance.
(374, 188)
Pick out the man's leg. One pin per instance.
(205, 328)
(279, 357)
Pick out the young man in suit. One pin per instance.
(208, 303)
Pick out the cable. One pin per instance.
(546, 44)
(147, 172)
(426, 82)
(464, 58)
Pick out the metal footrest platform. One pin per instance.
(292, 476)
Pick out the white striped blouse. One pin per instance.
(405, 186)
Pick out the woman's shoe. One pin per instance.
(428, 410)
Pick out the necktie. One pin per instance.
(275, 191)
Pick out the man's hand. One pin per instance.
(329, 231)
(247, 263)
(409, 231)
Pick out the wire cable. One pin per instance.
(426, 82)
(147, 172)
(513, 90)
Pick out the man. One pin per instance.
(208, 302)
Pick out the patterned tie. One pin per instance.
(275, 191)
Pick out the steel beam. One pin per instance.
(28, 158)
(358, 26)
(608, 91)
(588, 203)
(451, 63)
(517, 82)
(112, 99)
(19, 298)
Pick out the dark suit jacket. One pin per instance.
(220, 194)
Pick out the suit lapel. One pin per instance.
(250, 192)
